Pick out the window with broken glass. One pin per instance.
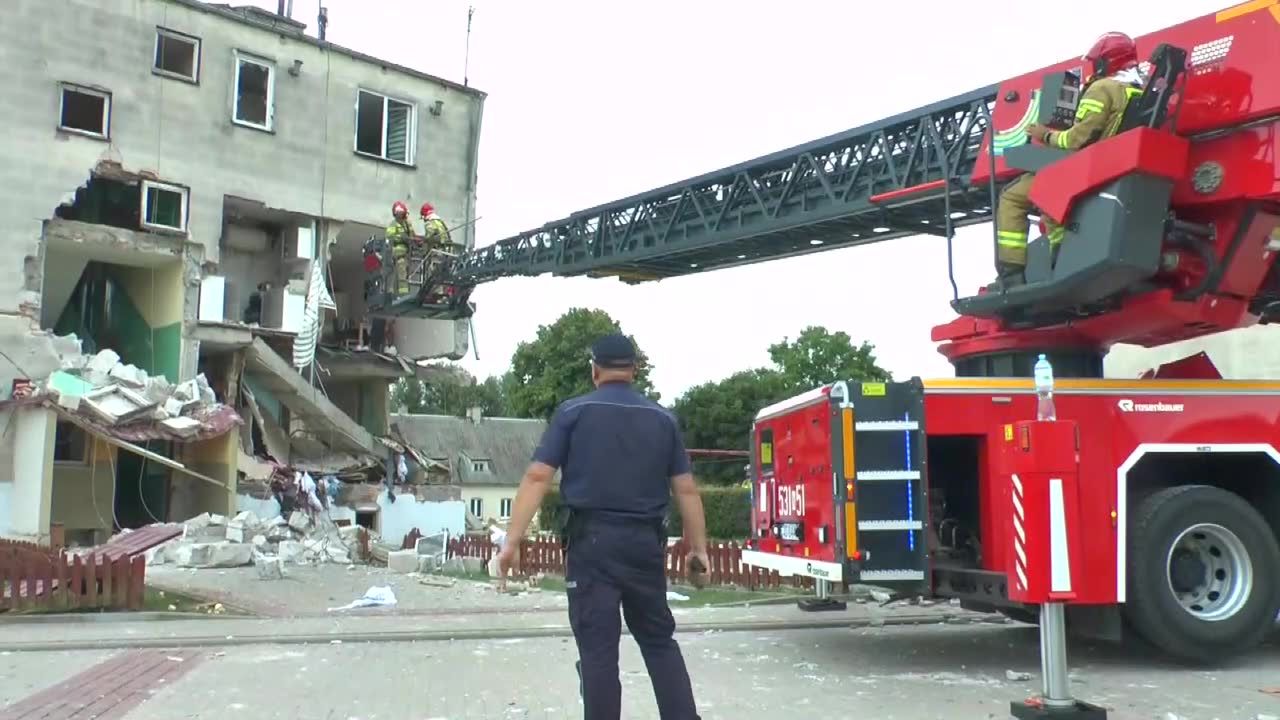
(385, 127)
(85, 111)
(177, 55)
(254, 92)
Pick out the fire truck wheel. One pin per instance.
(1203, 573)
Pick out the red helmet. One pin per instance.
(398, 208)
(427, 209)
(1110, 54)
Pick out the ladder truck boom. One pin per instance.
(1171, 224)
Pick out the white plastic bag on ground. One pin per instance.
(376, 596)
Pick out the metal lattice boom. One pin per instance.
(896, 177)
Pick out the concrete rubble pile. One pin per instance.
(215, 541)
(109, 392)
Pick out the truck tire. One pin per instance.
(1203, 573)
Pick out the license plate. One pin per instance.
(791, 532)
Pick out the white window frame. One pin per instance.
(63, 87)
(186, 199)
(474, 504)
(504, 508)
(239, 57)
(194, 78)
(412, 139)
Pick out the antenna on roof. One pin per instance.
(466, 60)
(323, 21)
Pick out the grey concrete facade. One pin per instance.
(300, 165)
(182, 132)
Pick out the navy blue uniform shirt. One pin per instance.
(616, 450)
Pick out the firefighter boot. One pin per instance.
(1007, 275)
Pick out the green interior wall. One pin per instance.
(103, 313)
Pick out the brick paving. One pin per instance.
(108, 690)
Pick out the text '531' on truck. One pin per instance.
(908, 486)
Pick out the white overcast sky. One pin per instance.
(593, 100)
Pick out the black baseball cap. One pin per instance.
(613, 351)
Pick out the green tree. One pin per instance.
(452, 392)
(555, 365)
(718, 415)
(818, 357)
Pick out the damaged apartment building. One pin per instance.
(188, 189)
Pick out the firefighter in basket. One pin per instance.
(1112, 79)
(400, 234)
(438, 246)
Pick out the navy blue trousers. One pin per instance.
(620, 563)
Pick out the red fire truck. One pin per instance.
(906, 486)
(1175, 223)
(1172, 226)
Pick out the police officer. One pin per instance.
(621, 459)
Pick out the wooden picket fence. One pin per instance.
(34, 577)
(543, 555)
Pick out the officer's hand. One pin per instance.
(506, 562)
(699, 564)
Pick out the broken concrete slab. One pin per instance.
(247, 518)
(313, 408)
(270, 567)
(402, 561)
(235, 532)
(103, 362)
(299, 521)
(173, 407)
(279, 533)
(212, 555)
(69, 402)
(130, 375)
(292, 551)
(472, 565)
(199, 521)
(182, 426)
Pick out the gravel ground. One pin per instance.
(310, 590)
(886, 673)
